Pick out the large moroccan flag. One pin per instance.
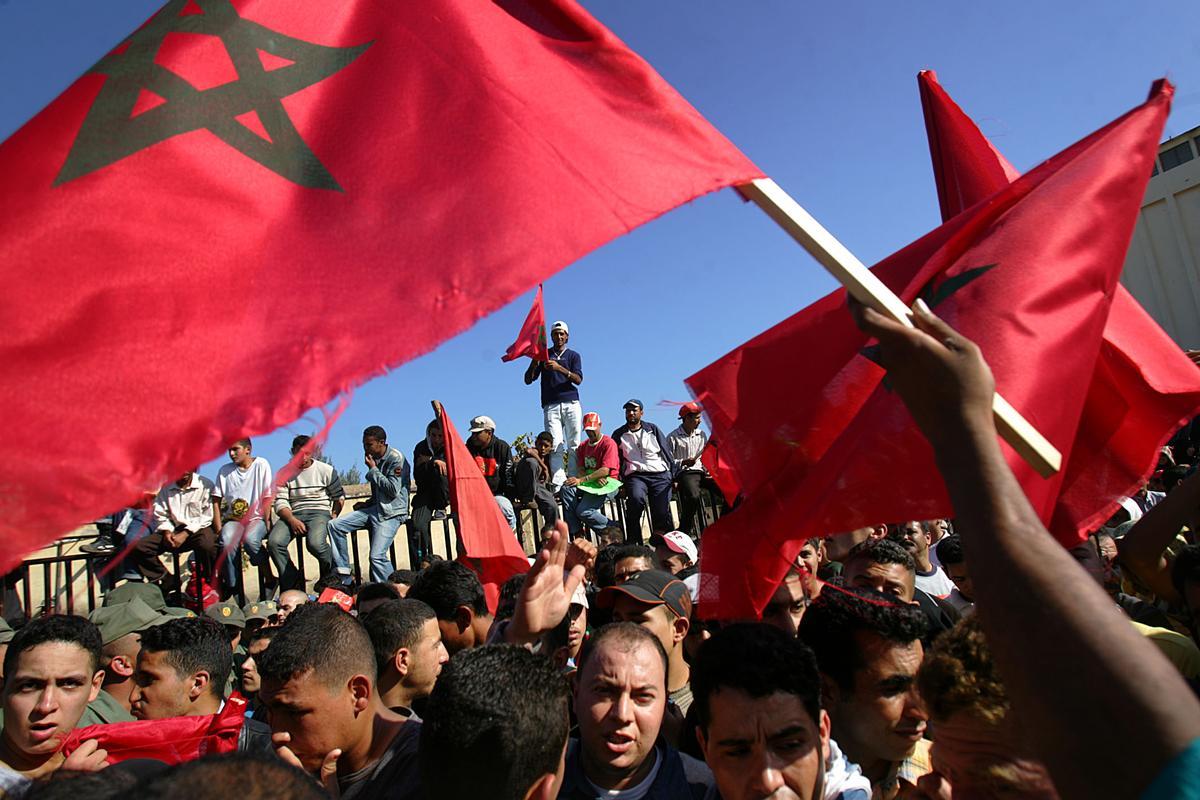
(531, 340)
(488, 546)
(1143, 387)
(824, 445)
(246, 208)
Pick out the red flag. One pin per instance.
(722, 474)
(488, 545)
(531, 341)
(826, 446)
(173, 740)
(193, 252)
(1143, 387)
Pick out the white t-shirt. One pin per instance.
(633, 792)
(250, 484)
(936, 583)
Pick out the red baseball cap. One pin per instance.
(591, 421)
(689, 408)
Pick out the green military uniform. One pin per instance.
(148, 593)
(229, 615)
(104, 710)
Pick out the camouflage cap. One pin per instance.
(124, 619)
(227, 613)
(6, 631)
(148, 593)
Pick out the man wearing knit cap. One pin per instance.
(561, 375)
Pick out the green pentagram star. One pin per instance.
(110, 132)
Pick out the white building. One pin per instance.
(1162, 269)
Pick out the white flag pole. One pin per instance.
(867, 289)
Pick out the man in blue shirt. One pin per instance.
(560, 376)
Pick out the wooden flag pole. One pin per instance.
(867, 289)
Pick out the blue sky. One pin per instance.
(822, 97)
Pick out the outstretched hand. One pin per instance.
(546, 596)
(939, 373)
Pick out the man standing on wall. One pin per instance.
(561, 376)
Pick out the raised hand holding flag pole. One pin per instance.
(531, 341)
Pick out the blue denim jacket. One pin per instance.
(389, 491)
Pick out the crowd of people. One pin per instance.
(966, 657)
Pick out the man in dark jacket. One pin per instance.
(647, 470)
(620, 697)
(493, 455)
(433, 491)
(531, 480)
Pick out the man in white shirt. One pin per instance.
(647, 469)
(185, 518)
(687, 444)
(931, 578)
(304, 506)
(243, 487)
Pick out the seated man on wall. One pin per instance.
(304, 506)
(382, 514)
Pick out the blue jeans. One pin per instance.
(381, 530)
(231, 531)
(506, 509)
(583, 508)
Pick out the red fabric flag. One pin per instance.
(722, 474)
(172, 741)
(531, 341)
(1143, 387)
(486, 544)
(216, 228)
(827, 447)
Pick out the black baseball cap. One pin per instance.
(652, 587)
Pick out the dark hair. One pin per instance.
(322, 638)
(375, 591)
(395, 625)
(635, 551)
(545, 436)
(831, 622)
(950, 550)
(258, 634)
(300, 441)
(446, 585)
(604, 570)
(1172, 476)
(247, 776)
(510, 590)
(759, 660)
(1184, 570)
(623, 634)
(69, 784)
(193, 644)
(405, 576)
(57, 628)
(334, 580)
(495, 723)
(244, 443)
(375, 432)
(880, 551)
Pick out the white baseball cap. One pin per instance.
(681, 543)
(482, 423)
(559, 325)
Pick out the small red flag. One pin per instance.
(488, 546)
(826, 446)
(531, 341)
(1143, 387)
(193, 253)
(172, 741)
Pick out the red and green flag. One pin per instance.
(247, 208)
(531, 341)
